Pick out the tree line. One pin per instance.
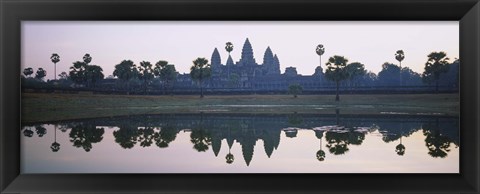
(204, 136)
(338, 72)
(338, 69)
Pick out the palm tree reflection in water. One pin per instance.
(201, 140)
(320, 153)
(400, 148)
(55, 146)
(84, 135)
(230, 158)
(438, 143)
(209, 130)
(200, 137)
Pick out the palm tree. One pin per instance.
(83, 72)
(146, 73)
(336, 71)
(41, 73)
(437, 64)
(229, 47)
(320, 50)
(28, 71)
(55, 59)
(87, 58)
(166, 72)
(399, 55)
(355, 69)
(63, 75)
(77, 72)
(125, 71)
(199, 71)
(93, 73)
(157, 71)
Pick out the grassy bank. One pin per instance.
(48, 107)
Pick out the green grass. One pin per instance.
(49, 107)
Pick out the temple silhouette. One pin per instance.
(248, 74)
(207, 131)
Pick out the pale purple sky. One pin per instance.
(180, 42)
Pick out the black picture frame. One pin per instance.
(12, 12)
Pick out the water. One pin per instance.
(243, 143)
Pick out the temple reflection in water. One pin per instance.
(336, 134)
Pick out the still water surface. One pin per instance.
(243, 143)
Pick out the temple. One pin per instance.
(248, 75)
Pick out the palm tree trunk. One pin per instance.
(401, 73)
(55, 71)
(321, 77)
(436, 86)
(228, 67)
(337, 98)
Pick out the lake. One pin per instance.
(243, 143)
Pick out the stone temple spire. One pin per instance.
(216, 61)
(247, 54)
(229, 65)
(230, 61)
(276, 65)
(268, 57)
(247, 150)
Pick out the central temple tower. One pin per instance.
(247, 58)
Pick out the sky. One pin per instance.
(181, 42)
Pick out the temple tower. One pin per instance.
(230, 61)
(271, 65)
(276, 65)
(268, 58)
(229, 65)
(247, 58)
(267, 61)
(216, 61)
